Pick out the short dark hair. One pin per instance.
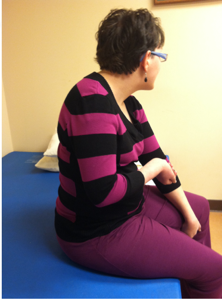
(124, 36)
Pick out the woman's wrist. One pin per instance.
(189, 216)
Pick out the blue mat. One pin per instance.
(33, 265)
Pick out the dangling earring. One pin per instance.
(145, 79)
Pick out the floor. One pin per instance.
(216, 231)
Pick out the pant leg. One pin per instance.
(160, 209)
(146, 248)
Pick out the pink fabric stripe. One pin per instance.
(133, 155)
(68, 185)
(150, 144)
(140, 115)
(93, 123)
(117, 193)
(65, 212)
(63, 153)
(89, 87)
(97, 167)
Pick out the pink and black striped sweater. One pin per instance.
(100, 186)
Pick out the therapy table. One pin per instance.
(33, 265)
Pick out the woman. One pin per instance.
(106, 218)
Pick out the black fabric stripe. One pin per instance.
(104, 185)
(67, 200)
(146, 129)
(63, 137)
(144, 158)
(133, 104)
(126, 142)
(72, 171)
(67, 230)
(165, 189)
(78, 105)
(86, 146)
(65, 169)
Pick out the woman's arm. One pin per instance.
(153, 151)
(156, 167)
(191, 225)
(160, 169)
(165, 173)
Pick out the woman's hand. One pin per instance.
(174, 171)
(191, 227)
(168, 174)
(165, 173)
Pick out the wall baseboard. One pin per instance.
(215, 205)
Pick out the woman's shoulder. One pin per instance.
(88, 86)
(89, 95)
(91, 86)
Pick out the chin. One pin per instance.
(147, 86)
(150, 87)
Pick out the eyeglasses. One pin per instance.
(162, 56)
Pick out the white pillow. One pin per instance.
(48, 163)
(53, 146)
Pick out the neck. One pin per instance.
(121, 85)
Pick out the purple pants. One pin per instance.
(151, 245)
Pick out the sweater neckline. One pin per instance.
(133, 128)
(105, 84)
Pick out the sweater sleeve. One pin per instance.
(93, 136)
(152, 149)
(97, 159)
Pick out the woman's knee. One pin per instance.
(204, 208)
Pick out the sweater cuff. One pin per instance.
(165, 189)
(135, 183)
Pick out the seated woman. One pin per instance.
(106, 217)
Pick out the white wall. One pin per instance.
(48, 45)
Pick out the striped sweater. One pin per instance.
(100, 186)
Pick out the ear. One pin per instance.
(145, 63)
